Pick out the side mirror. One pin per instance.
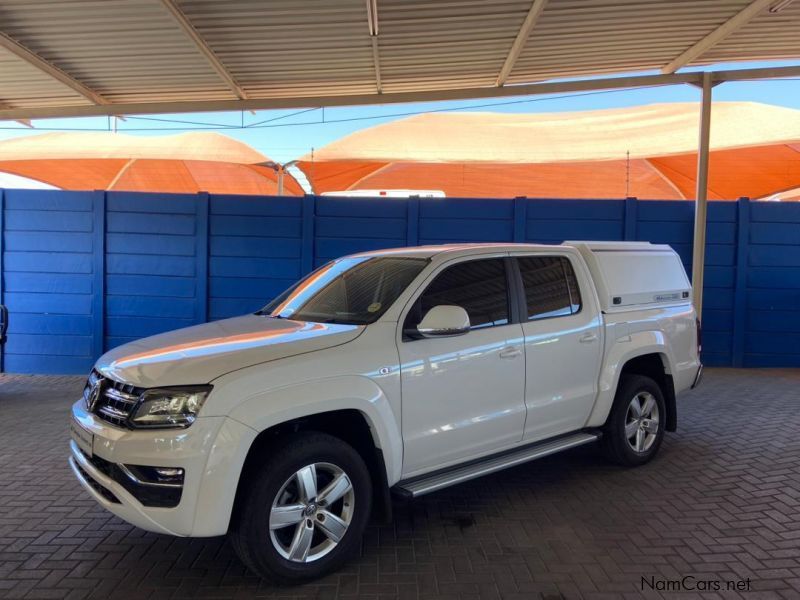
(444, 321)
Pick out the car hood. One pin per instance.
(199, 354)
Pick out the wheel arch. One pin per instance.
(646, 353)
(281, 408)
(276, 407)
(350, 425)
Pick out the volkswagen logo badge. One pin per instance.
(94, 395)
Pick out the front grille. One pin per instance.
(96, 486)
(115, 400)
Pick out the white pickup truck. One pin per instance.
(403, 371)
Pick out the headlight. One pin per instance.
(169, 407)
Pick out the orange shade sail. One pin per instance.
(185, 163)
(646, 152)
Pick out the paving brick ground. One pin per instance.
(720, 503)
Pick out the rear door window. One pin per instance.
(551, 288)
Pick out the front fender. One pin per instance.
(620, 352)
(350, 392)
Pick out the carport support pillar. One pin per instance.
(281, 171)
(701, 195)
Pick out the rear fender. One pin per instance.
(620, 352)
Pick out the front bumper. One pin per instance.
(211, 452)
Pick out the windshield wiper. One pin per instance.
(335, 321)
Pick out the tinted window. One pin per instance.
(355, 290)
(477, 286)
(551, 289)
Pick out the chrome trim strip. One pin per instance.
(73, 464)
(122, 396)
(93, 471)
(113, 412)
(438, 481)
(441, 333)
(138, 481)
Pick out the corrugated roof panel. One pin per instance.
(23, 85)
(116, 47)
(281, 43)
(769, 36)
(460, 43)
(604, 37)
(135, 51)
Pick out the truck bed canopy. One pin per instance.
(631, 275)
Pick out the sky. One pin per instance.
(284, 135)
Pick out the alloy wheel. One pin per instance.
(311, 512)
(641, 422)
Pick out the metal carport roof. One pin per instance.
(73, 57)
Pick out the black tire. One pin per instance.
(250, 533)
(615, 442)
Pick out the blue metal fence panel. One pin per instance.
(465, 220)
(347, 225)
(49, 280)
(151, 283)
(554, 221)
(772, 321)
(255, 251)
(86, 271)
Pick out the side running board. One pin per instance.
(419, 486)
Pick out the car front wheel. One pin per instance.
(304, 513)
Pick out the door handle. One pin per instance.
(510, 352)
(588, 338)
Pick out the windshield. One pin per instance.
(355, 290)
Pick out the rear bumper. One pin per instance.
(698, 377)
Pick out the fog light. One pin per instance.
(169, 472)
(171, 476)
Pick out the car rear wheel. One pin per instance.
(635, 427)
(304, 513)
